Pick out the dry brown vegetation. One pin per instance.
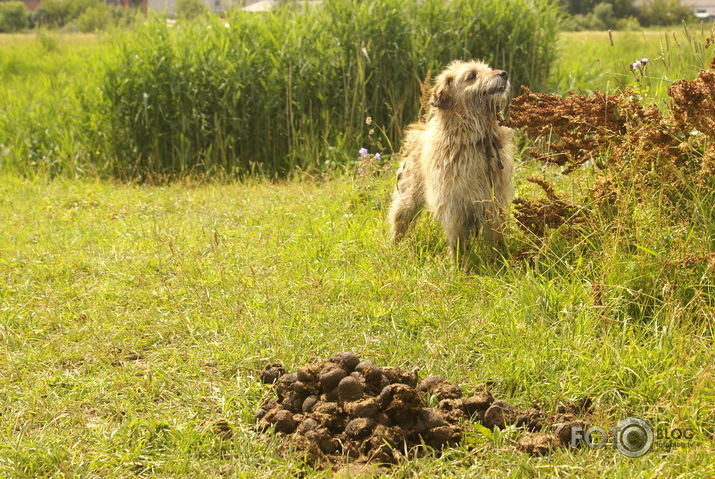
(631, 147)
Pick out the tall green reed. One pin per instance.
(292, 88)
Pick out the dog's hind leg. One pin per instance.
(407, 201)
(403, 210)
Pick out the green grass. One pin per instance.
(589, 61)
(45, 80)
(132, 318)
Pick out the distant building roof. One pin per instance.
(32, 5)
(260, 6)
(690, 3)
(699, 3)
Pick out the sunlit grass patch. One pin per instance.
(134, 318)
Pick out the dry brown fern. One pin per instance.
(640, 147)
(537, 215)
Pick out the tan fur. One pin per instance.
(451, 161)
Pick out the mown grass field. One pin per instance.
(133, 318)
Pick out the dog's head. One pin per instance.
(472, 87)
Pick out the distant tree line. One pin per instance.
(83, 15)
(93, 15)
(623, 14)
(71, 15)
(13, 16)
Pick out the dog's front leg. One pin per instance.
(458, 230)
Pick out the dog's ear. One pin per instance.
(442, 93)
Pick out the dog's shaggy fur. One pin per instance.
(458, 162)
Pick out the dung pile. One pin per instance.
(347, 407)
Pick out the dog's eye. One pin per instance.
(472, 76)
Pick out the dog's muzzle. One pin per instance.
(501, 81)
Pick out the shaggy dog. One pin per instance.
(458, 161)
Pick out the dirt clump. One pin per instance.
(271, 373)
(564, 431)
(476, 406)
(537, 444)
(563, 423)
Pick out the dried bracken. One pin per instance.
(629, 145)
(536, 216)
(425, 93)
(571, 130)
(693, 103)
(695, 259)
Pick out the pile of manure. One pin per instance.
(347, 408)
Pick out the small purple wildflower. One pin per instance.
(361, 171)
(639, 64)
(363, 152)
(378, 156)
